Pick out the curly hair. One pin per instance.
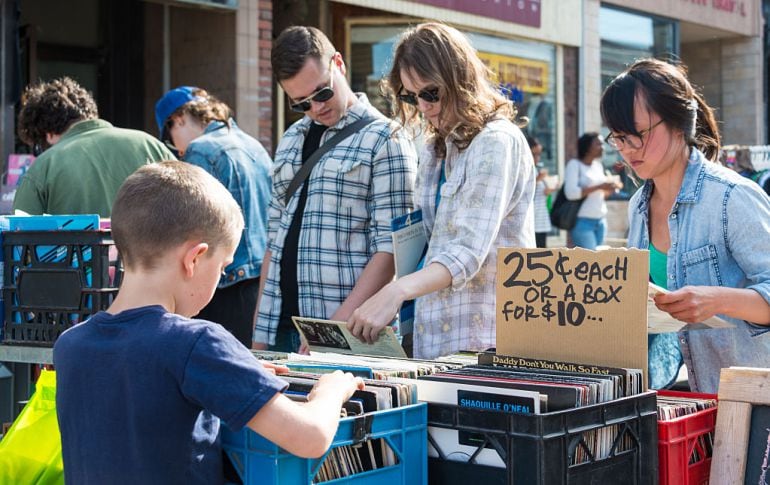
(444, 57)
(205, 108)
(52, 107)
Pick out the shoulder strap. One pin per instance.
(307, 167)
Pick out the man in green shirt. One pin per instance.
(85, 159)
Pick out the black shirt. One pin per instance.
(289, 287)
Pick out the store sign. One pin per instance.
(728, 6)
(524, 12)
(523, 74)
(573, 305)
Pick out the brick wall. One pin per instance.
(254, 90)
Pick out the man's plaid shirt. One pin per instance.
(355, 190)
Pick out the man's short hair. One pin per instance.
(51, 107)
(294, 46)
(163, 205)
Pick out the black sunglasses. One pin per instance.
(321, 96)
(430, 95)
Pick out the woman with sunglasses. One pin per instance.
(476, 182)
(706, 227)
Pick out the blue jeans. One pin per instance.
(588, 233)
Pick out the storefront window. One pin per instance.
(625, 37)
(525, 71)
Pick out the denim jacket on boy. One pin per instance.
(243, 166)
(720, 236)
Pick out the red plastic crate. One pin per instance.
(678, 439)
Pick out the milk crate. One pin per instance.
(55, 279)
(258, 461)
(553, 448)
(685, 444)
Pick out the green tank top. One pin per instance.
(658, 267)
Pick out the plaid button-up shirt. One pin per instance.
(486, 204)
(355, 190)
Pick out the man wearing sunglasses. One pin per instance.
(84, 159)
(329, 242)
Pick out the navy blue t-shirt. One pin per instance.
(138, 395)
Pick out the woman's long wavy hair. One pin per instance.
(443, 57)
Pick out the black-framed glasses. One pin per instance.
(321, 96)
(635, 142)
(429, 95)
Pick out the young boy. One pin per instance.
(141, 386)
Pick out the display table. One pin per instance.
(17, 387)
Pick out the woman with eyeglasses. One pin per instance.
(706, 227)
(584, 179)
(476, 182)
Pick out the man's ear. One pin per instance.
(191, 257)
(52, 139)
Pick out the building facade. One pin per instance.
(553, 58)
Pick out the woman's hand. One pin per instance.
(691, 304)
(376, 313)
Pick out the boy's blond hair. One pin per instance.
(165, 204)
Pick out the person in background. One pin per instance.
(330, 245)
(476, 183)
(584, 178)
(706, 227)
(202, 130)
(156, 382)
(84, 159)
(542, 190)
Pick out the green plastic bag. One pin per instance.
(30, 452)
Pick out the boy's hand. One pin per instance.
(331, 384)
(274, 368)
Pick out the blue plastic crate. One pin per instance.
(259, 461)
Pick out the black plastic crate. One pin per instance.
(55, 279)
(540, 449)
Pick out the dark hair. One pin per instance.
(294, 46)
(532, 141)
(444, 57)
(52, 107)
(665, 90)
(584, 143)
(165, 204)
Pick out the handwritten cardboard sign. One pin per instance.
(573, 305)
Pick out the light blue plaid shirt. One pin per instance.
(355, 190)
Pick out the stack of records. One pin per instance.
(521, 386)
(672, 407)
(344, 461)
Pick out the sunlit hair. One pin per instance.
(443, 57)
(52, 107)
(163, 205)
(294, 46)
(665, 90)
(205, 108)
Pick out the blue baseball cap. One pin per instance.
(170, 102)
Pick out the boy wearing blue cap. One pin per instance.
(142, 387)
(201, 129)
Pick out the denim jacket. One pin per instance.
(243, 166)
(720, 236)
